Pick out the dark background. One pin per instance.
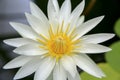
(13, 10)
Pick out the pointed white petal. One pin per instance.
(77, 12)
(97, 38)
(53, 10)
(92, 48)
(65, 10)
(38, 25)
(30, 50)
(85, 63)
(24, 30)
(69, 65)
(17, 42)
(28, 68)
(36, 11)
(77, 22)
(87, 26)
(17, 62)
(80, 20)
(45, 69)
(77, 76)
(59, 73)
(53, 14)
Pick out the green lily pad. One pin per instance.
(109, 72)
(113, 57)
(117, 27)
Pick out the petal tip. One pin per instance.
(83, 2)
(112, 35)
(14, 24)
(5, 41)
(15, 51)
(109, 49)
(101, 17)
(32, 4)
(16, 77)
(5, 67)
(11, 23)
(26, 13)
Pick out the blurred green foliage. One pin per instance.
(113, 57)
(117, 27)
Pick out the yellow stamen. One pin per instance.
(60, 43)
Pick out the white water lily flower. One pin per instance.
(52, 47)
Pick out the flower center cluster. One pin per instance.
(59, 46)
(60, 41)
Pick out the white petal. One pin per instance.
(30, 50)
(87, 26)
(69, 65)
(38, 25)
(45, 69)
(77, 12)
(36, 11)
(97, 38)
(17, 62)
(53, 10)
(28, 68)
(85, 63)
(77, 76)
(59, 72)
(53, 14)
(24, 30)
(65, 10)
(17, 42)
(77, 22)
(80, 21)
(92, 48)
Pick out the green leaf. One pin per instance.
(109, 72)
(113, 57)
(117, 27)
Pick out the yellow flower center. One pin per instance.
(59, 46)
(60, 41)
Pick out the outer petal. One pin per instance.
(45, 69)
(36, 11)
(69, 65)
(28, 68)
(17, 42)
(97, 38)
(24, 30)
(87, 26)
(85, 63)
(59, 72)
(77, 12)
(17, 62)
(38, 25)
(53, 10)
(92, 48)
(30, 50)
